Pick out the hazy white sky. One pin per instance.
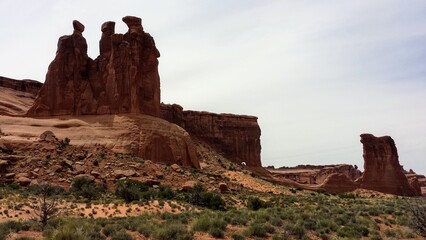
(316, 73)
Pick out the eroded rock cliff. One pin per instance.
(382, 171)
(123, 79)
(236, 136)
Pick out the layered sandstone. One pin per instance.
(123, 79)
(235, 136)
(315, 174)
(17, 96)
(144, 136)
(382, 171)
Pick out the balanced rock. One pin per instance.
(382, 171)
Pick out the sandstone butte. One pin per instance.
(382, 171)
(124, 79)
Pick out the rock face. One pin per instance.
(236, 136)
(383, 172)
(310, 174)
(26, 86)
(338, 183)
(123, 79)
(17, 96)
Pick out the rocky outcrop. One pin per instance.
(235, 136)
(382, 171)
(338, 183)
(315, 174)
(123, 79)
(26, 86)
(17, 96)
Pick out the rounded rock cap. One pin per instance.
(132, 21)
(78, 26)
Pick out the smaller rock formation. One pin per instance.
(235, 136)
(338, 183)
(383, 172)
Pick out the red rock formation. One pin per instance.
(123, 79)
(17, 96)
(338, 183)
(236, 136)
(25, 86)
(383, 172)
(312, 174)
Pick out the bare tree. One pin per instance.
(46, 207)
(417, 208)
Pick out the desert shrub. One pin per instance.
(353, 231)
(200, 197)
(297, 230)
(236, 236)
(214, 225)
(276, 221)
(257, 230)
(417, 209)
(121, 235)
(68, 234)
(64, 143)
(255, 203)
(147, 228)
(83, 186)
(166, 192)
(130, 190)
(109, 229)
(172, 232)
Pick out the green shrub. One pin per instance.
(257, 230)
(109, 229)
(68, 234)
(200, 197)
(130, 190)
(236, 236)
(297, 230)
(255, 203)
(166, 192)
(217, 232)
(147, 229)
(83, 186)
(172, 232)
(121, 235)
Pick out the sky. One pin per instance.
(317, 74)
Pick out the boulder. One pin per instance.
(124, 173)
(48, 136)
(382, 171)
(188, 185)
(176, 168)
(23, 181)
(223, 188)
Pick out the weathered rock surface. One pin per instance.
(382, 171)
(315, 174)
(144, 136)
(338, 183)
(17, 96)
(123, 79)
(235, 136)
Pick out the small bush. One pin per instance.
(109, 229)
(83, 186)
(147, 229)
(172, 232)
(200, 197)
(255, 203)
(257, 230)
(236, 236)
(217, 232)
(121, 235)
(130, 190)
(68, 234)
